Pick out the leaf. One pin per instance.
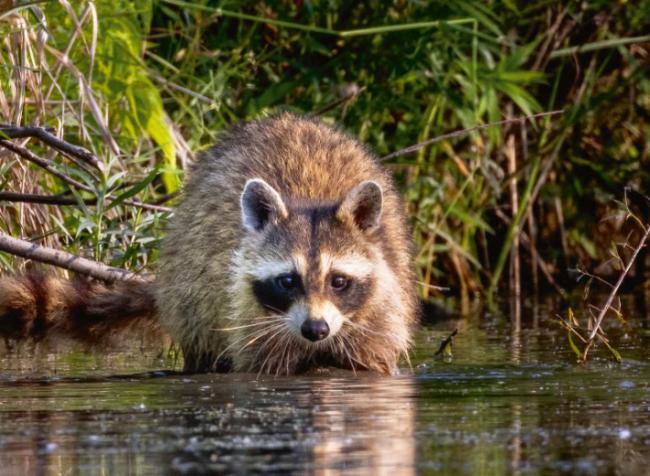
(573, 346)
(273, 94)
(144, 8)
(572, 318)
(469, 219)
(137, 188)
(522, 98)
(520, 76)
(85, 225)
(615, 353)
(146, 107)
(481, 14)
(518, 57)
(446, 345)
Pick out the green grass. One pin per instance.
(149, 83)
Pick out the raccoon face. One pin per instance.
(313, 263)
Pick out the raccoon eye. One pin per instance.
(287, 281)
(339, 282)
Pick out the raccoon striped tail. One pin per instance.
(35, 306)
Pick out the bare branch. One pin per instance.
(584, 273)
(166, 198)
(80, 265)
(432, 286)
(144, 206)
(462, 132)
(618, 284)
(42, 134)
(47, 165)
(44, 199)
(528, 244)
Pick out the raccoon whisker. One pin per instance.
(254, 324)
(258, 333)
(262, 317)
(351, 349)
(291, 349)
(368, 334)
(335, 345)
(270, 351)
(288, 360)
(269, 354)
(363, 328)
(274, 342)
(282, 313)
(332, 344)
(362, 333)
(255, 357)
(354, 355)
(343, 344)
(277, 327)
(280, 359)
(286, 354)
(407, 357)
(283, 354)
(288, 349)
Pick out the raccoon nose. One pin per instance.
(315, 329)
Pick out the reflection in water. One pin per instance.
(512, 401)
(213, 423)
(369, 427)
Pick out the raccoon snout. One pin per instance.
(315, 329)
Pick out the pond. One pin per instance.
(507, 403)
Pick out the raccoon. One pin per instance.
(289, 249)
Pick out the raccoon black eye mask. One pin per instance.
(289, 249)
(278, 294)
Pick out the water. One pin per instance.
(508, 403)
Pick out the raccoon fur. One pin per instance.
(289, 250)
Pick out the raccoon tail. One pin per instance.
(36, 305)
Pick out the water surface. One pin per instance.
(507, 403)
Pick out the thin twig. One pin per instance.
(42, 134)
(618, 284)
(342, 100)
(569, 327)
(44, 164)
(60, 200)
(528, 244)
(585, 273)
(515, 262)
(47, 165)
(143, 205)
(184, 90)
(462, 132)
(598, 45)
(445, 342)
(433, 286)
(88, 95)
(44, 199)
(65, 260)
(166, 198)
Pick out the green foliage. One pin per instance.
(155, 79)
(117, 73)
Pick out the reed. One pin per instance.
(141, 86)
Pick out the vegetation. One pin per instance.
(145, 84)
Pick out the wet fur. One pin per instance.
(36, 305)
(203, 292)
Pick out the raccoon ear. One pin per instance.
(260, 203)
(362, 206)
